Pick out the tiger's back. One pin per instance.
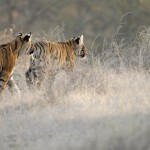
(62, 51)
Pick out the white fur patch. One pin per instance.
(81, 40)
(29, 34)
(19, 34)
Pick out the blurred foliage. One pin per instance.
(88, 17)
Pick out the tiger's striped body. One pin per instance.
(8, 56)
(52, 56)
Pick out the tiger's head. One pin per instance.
(23, 41)
(80, 49)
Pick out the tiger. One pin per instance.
(46, 55)
(9, 53)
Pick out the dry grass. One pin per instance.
(104, 104)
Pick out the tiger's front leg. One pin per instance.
(13, 86)
(29, 77)
(32, 77)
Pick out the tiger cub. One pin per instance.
(47, 55)
(9, 53)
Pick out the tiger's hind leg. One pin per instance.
(4, 77)
(13, 86)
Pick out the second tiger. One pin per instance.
(49, 56)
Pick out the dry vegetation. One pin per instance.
(102, 105)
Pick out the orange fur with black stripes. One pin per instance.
(9, 53)
(45, 53)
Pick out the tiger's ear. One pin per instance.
(27, 37)
(79, 40)
(73, 38)
(19, 34)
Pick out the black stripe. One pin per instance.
(21, 40)
(6, 53)
(70, 43)
(4, 48)
(41, 44)
(37, 46)
(42, 47)
(2, 80)
(16, 44)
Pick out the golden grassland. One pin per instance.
(104, 104)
